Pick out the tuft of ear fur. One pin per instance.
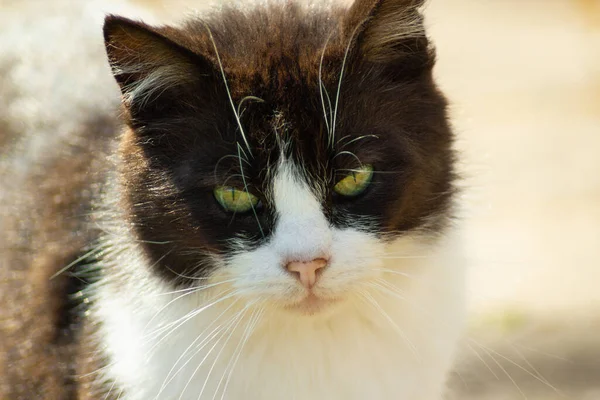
(144, 62)
(389, 30)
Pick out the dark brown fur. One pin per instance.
(180, 133)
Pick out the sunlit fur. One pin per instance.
(387, 333)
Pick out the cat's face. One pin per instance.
(282, 151)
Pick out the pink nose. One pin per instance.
(307, 271)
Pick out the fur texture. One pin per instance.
(176, 298)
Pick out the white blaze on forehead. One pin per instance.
(302, 231)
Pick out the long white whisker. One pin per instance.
(81, 258)
(250, 330)
(110, 390)
(371, 300)
(540, 376)
(195, 288)
(233, 108)
(246, 99)
(490, 351)
(222, 159)
(357, 139)
(157, 332)
(200, 346)
(387, 290)
(337, 96)
(242, 314)
(246, 189)
(229, 325)
(486, 350)
(483, 361)
(391, 256)
(185, 319)
(235, 355)
(321, 83)
(187, 292)
(351, 154)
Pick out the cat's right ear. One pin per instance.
(146, 64)
(390, 33)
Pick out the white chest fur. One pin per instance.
(397, 346)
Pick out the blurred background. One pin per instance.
(523, 77)
(524, 80)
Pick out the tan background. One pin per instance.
(524, 77)
(524, 80)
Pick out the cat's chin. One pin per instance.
(313, 305)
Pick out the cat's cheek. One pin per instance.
(257, 275)
(356, 260)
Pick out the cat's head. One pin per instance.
(282, 149)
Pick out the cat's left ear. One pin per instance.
(148, 64)
(390, 32)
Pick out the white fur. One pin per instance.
(369, 344)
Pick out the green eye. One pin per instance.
(233, 200)
(355, 183)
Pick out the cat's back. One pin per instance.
(57, 120)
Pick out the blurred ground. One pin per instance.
(523, 77)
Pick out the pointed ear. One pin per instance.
(147, 64)
(390, 31)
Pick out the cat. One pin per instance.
(275, 217)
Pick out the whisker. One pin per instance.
(351, 154)
(554, 356)
(371, 300)
(79, 259)
(375, 172)
(535, 375)
(237, 117)
(252, 328)
(180, 275)
(187, 293)
(391, 256)
(356, 139)
(222, 159)
(483, 361)
(391, 271)
(486, 350)
(255, 98)
(194, 288)
(179, 322)
(110, 390)
(535, 371)
(321, 86)
(240, 318)
(236, 354)
(246, 188)
(204, 342)
(337, 97)
(229, 324)
(381, 287)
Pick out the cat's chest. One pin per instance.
(215, 358)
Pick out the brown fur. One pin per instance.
(42, 222)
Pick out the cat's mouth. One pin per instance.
(312, 304)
